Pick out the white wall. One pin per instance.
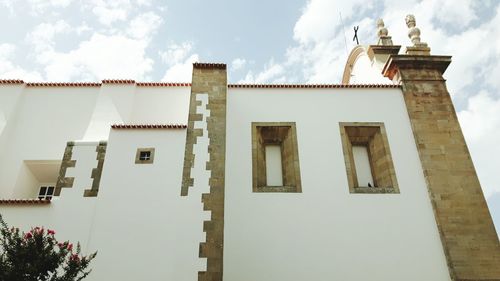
(71, 214)
(326, 233)
(38, 121)
(44, 120)
(143, 228)
(366, 71)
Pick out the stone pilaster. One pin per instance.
(62, 180)
(97, 172)
(467, 233)
(210, 79)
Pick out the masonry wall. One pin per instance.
(326, 233)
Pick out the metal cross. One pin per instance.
(356, 35)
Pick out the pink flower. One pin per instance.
(28, 235)
(74, 257)
(51, 232)
(70, 247)
(60, 244)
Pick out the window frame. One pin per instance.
(46, 195)
(275, 133)
(372, 135)
(138, 160)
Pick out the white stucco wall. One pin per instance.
(366, 71)
(143, 228)
(70, 215)
(326, 233)
(38, 121)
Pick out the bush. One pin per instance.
(37, 256)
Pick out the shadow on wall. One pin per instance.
(34, 174)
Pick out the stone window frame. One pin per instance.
(138, 154)
(369, 134)
(287, 138)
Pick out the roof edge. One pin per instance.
(313, 86)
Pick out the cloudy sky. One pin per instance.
(262, 41)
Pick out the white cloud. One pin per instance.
(100, 57)
(176, 53)
(480, 123)
(108, 12)
(8, 5)
(40, 6)
(8, 70)
(181, 71)
(42, 36)
(238, 63)
(459, 13)
(143, 2)
(272, 73)
(144, 25)
(321, 19)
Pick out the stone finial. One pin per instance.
(413, 31)
(418, 48)
(383, 34)
(382, 30)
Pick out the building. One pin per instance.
(210, 181)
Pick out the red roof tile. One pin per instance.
(118, 81)
(312, 86)
(162, 84)
(24, 201)
(11, 81)
(63, 84)
(148, 126)
(209, 65)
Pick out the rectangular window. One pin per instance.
(274, 173)
(144, 155)
(368, 158)
(362, 165)
(275, 158)
(46, 192)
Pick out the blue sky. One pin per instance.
(280, 41)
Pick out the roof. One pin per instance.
(185, 84)
(312, 86)
(149, 126)
(25, 201)
(94, 84)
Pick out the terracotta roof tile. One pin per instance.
(312, 86)
(25, 201)
(209, 65)
(118, 81)
(63, 84)
(148, 126)
(162, 84)
(11, 81)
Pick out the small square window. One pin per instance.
(144, 156)
(46, 192)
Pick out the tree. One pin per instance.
(37, 256)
